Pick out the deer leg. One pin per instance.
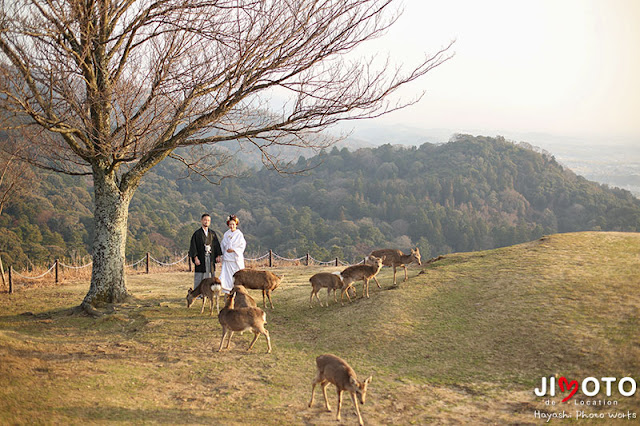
(218, 302)
(405, 272)
(353, 290)
(269, 297)
(311, 298)
(224, 333)
(264, 300)
(313, 388)
(266, 334)
(355, 404)
(230, 336)
(334, 296)
(374, 277)
(345, 291)
(318, 297)
(211, 305)
(339, 404)
(324, 385)
(256, 334)
(204, 299)
(394, 275)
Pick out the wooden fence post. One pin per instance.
(270, 258)
(56, 264)
(10, 279)
(2, 272)
(147, 262)
(336, 261)
(307, 259)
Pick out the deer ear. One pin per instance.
(366, 382)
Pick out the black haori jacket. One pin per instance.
(198, 241)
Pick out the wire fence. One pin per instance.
(60, 271)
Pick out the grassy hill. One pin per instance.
(466, 339)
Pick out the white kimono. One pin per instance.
(231, 262)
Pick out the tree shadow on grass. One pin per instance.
(109, 414)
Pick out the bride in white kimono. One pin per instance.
(233, 245)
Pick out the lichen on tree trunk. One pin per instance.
(108, 281)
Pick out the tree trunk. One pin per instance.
(108, 283)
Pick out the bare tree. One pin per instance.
(112, 87)
(15, 178)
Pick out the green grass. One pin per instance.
(465, 340)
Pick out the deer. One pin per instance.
(360, 273)
(258, 280)
(395, 258)
(234, 319)
(335, 370)
(330, 281)
(243, 299)
(208, 288)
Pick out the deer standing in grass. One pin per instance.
(395, 258)
(253, 279)
(332, 369)
(242, 319)
(208, 288)
(331, 281)
(360, 273)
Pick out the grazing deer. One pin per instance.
(360, 273)
(330, 281)
(242, 319)
(395, 258)
(208, 288)
(258, 280)
(243, 299)
(332, 369)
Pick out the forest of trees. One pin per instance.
(472, 193)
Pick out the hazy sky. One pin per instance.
(563, 67)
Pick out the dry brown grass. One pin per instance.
(465, 340)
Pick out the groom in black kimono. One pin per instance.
(204, 251)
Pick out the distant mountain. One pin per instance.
(611, 160)
(472, 193)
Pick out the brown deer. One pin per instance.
(395, 258)
(208, 288)
(360, 273)
(332, 369)
(258, 280)
(242, 319)
(243, 299)
(330, 281)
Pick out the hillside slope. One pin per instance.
(565, 304)
(465, 340)
(474, 193)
